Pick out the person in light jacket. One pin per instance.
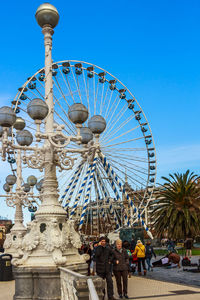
(140, 252)
(120, 269)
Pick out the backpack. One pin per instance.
(186, 261)
(129, 253)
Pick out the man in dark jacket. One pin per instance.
(104, 259)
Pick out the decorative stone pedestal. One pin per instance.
(41, 283)
(37, 283)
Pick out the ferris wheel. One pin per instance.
(116, 187)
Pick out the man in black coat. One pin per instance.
(104, 258)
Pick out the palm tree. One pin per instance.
(177, 210)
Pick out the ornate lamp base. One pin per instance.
(50, 241)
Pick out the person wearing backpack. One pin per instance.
(140, 252)
(149, 251)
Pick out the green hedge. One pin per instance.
(163, 252)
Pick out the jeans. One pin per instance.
(141, 260)
(148, 260)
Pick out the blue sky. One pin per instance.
(153, 47)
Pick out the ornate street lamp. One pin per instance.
(50, 240)
(22, 196)
(57, 241)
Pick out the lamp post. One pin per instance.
(49, 236)
(21, 196)
(51, 240)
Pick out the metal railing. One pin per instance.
(92, 291)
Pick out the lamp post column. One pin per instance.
(50, 204)
(18, 226)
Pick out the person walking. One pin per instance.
(149, 252)
(188, 246)
(170, 245)
(104, 258)
(93, 258)
(126, 245)
(140, 252)
(120, 269)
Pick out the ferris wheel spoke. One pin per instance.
(66, 81)
(132, 158)
(125, 142)
(78, 88)
(119, 136)
(107, 115)
(117, 117)
(102, 93)
(102, 106)
(113, 150)
(34, 94)
(113, 112)
(95, 100)
(120, 115)
(108, 105)
(76, 84)
(136, 168)
(118, 128)
(114, 164)
(87, 92)
(70, 125)
(56, 83)
(64, 121)
(40, 94)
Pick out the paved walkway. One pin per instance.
(140, 288)
(7, 290)
(177, 275)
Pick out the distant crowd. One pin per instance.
(122, 259)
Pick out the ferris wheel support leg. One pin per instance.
(108, 167)
(107, 199)
(88, 192)
(80, 191)
(74, 177)
(127, 222)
